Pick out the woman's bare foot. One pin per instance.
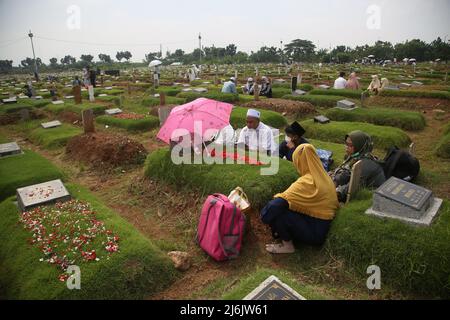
(283, 248)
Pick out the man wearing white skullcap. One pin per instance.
(249, 87)
(230, 86)
(256, 135)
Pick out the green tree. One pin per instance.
(6, 66)
(300, 50)
(105, 58)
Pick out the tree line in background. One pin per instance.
(297, 50)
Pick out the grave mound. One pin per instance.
(283, 106)
(106, 150)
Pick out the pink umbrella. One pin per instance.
(209, 113)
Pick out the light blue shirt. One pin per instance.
(229, 87)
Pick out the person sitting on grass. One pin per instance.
(294, 138)
(375, 85)
(249, 87)
(340, 82)
(384, 84)
(256, 136)
(266, 88)
(359, 146)
(230, 86)
(303, 212)
(353, 83)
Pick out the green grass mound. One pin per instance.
(54, 137)
(443, 147)
(355, 94)
(305, 86)
(138, 270)
(406, 120)
(280, 92)
(270, 118)
(244, 98)
(76, 108)
(147, 123)
(410, 258)
(416, 94)
(252, 281)
(169, 91)
(24, 104)
(154, 102)
(224, 97)
(23, 170)
(112, 99)
(383, 137)
(218, 178)
(317, 100)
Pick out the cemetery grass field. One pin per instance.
(155, 206)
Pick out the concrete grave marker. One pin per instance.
(416, 83)
(51, 124)
(40, 194)
(187, 90)
(321, 119)
(273, 289)
(391, 87)
(324, 86)
(112, 112)
(58, 102)
(346, 105)
(401, 200)
(103, 95)
(10, 100)
(404, 85)
(69, 97)
(200, 90)
(9, 149)
(38, 98)
(299, 92)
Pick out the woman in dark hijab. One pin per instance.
(359, 147)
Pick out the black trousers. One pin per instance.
(289, 225)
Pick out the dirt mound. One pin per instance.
(105, 150)
(14, 118)
(70, 117)
(287, 107)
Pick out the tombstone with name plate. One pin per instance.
(41, 194)
(112, 112)
(273, 289)
(346, 105)
(9, 149)
(51, 124)
(401, 200)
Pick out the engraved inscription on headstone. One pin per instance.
(273, 289)
(9, 149)
(405, 201)
(43, 193)
(52, 124)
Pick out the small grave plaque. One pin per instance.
(52, 124)
(112, 112)
(404, 85)
(416, 83)
(274, 289)
(187, 90)
(200, 90)
(38, 97)
(69, 97)
(186, 85)
(345, 104)
(58, 102)
(40, 194)
(103, 95)
(9, 149)
(108, 88)
(23, 97)
(324, 86)
(43, 90)
(321, 119)
(405, 201)
(279, 81)
(10, 100)
(299, 92)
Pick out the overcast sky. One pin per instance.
(78, 27)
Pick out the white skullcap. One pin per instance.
(253, 113)
(233, 79)
(250, 80)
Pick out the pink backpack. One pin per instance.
(221, 228)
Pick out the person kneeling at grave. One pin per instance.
(266, 88)
(249, 87)
(230, 86)
(303, 212)
(257, 136)
(359, 147)
(375, 85)
(294, 138)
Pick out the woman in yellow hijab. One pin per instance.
(305, 210)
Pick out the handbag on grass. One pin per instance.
(240, 199)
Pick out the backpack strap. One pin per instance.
(212, 204)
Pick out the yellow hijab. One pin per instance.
(314, 193)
